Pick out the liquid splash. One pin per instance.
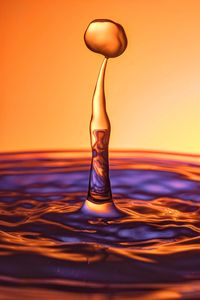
(108, 38)
(54, 243)
(151, 251)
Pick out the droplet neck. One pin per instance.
(99, 118)
(99, 101)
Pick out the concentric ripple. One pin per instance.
(48, 243)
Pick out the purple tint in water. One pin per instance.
(49, 246)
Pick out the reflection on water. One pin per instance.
(49, 249)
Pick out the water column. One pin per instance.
(109, 39)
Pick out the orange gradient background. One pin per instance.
(48, 75)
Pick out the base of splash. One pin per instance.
(102, 210)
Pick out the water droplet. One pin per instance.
(106, 37)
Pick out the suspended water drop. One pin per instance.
(106, 37)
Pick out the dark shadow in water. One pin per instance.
(48, 243)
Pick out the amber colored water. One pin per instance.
(139, 241)
(109, 39)
(106, 37)
(50, 250)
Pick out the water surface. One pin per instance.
(49, 249)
